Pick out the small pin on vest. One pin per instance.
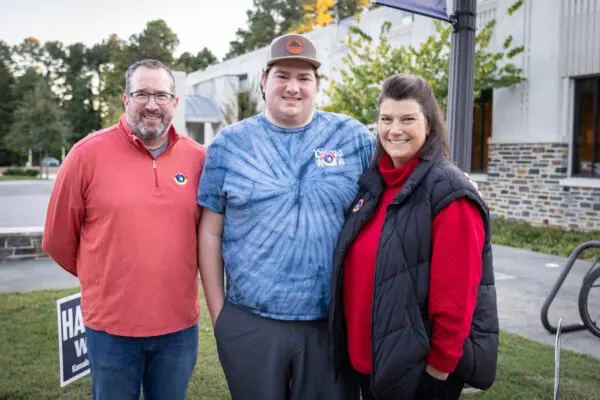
(358, 205)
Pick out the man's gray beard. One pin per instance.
(143, 133)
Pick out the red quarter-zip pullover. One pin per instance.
(125, 224)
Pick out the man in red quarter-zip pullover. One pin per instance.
(122, 218)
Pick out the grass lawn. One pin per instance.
(17, 178)
(29, 360)
(548, 240)
(29, 352)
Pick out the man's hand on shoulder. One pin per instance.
(473, 183)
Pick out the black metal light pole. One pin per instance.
(461, 82)
(462, 74)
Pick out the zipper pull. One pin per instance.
(154, 172)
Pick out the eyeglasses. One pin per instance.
(159, 98)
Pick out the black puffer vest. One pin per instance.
(400, 326)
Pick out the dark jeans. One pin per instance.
(267, 359)
(121, 365)
(429, 388)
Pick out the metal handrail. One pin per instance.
(570, 262)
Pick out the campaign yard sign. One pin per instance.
(72, 348)
(429, 8)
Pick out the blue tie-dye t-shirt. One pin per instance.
(283, 193)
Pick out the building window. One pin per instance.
(482, 130)
(586, 130)
(243, 83)
(196, 131)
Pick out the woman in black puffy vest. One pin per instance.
(413, 310)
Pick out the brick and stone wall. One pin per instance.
(523, 183)
(21, 243)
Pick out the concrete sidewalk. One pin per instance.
(524, 280)
(24, 203)
(29, 275)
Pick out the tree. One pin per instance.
(76, 63)
(69, 71)
(38, 123)
(366, 66)
(348, 8)
(47, 59)
(26, 55)
(78, 100)
(7, 101)
(86, 83)
(157, 41)
(81, 110)
(98, 56)
(267, 20)
(262, 28)
(318, 14)
(271, 18)
(52, 58)
(100, 63)
(190, 63)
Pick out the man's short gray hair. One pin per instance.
(148, 63)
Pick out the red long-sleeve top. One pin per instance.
(455, 275)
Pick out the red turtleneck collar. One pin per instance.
(396, 176)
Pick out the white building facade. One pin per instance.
(536, 146)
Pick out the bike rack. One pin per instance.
(570, 261)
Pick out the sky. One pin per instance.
(197, 23)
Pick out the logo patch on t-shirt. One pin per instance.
(328, 157)
(180, 179)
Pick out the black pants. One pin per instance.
(267, 359)
(429, 388)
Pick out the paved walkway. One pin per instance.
(24, 203)
(524, 280)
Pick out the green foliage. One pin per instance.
(20, 172)
(268, 19)
(190, 63)
(69, 71)
(265, 21)
(368, 64)
(515, 7)
(87, 83)
(243, 107)
(157, 41)
(5, 54)
(29, 359)
(39, 123)
(348, 8)
(80, 108)
(8, 102)
(545, 239)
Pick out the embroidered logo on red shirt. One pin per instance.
(180, 179)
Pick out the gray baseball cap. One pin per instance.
(293, 47)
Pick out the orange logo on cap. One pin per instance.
(294, 46)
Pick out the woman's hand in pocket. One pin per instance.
(436, 373)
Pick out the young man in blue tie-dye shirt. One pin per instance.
(274, 192)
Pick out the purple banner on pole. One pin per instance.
(429, 8)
